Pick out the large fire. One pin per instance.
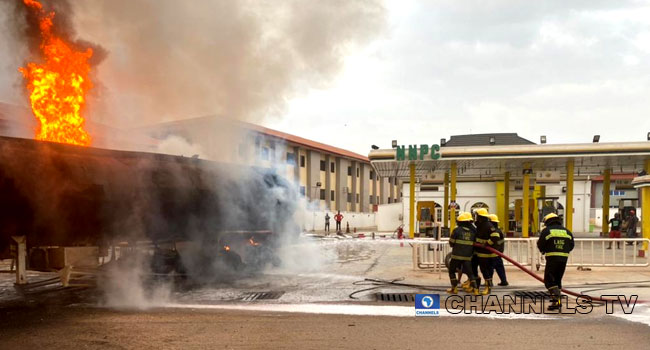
(58, 86)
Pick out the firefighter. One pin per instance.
(484, 231)
(555, 241)
(462, 241)
(497, 241)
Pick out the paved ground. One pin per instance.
(314, 309)
(56, 328)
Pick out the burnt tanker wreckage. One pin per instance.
(192, 217)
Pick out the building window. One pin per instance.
(349, 171)
(370, 200)
(617, 193)
(390, 200)
(302, 161)
(376, 199)
(265, 153)
(395, 181)
(322, 195)
(357, 172)
(349, 197)
(372, 175)
(291, 158)
(323, 165)
(302, 190)
(357, 198)
(332, 167)
(332, 195)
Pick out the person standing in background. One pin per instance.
(338, 218)
(630, 225)
(327, 222)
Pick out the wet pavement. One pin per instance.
(334, 275)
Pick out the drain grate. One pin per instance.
(396, 297)
(261, 296)
(531, 294)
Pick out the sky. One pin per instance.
(564, 69)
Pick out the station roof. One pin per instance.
(494, 161)
(499, 139)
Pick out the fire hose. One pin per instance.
(541, 279)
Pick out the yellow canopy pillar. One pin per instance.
(452, 189)
(538, 192)
(500, 188)
(606, 188)
(645, 208)
(412, 201)
(506, 202)
(445, 206)
(525, 222)
(568, 205)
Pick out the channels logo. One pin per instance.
(427, 304)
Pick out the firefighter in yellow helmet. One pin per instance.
(461, 242)
(484, 232)
(556, 242)
(497, 241)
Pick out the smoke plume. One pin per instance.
(169, 60)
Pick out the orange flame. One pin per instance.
(226, 248)
(58, 87)
(252, 242)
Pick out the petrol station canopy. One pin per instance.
(495, 161)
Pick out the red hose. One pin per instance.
(539, 278)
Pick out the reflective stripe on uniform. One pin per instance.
(557, 233)
(486, 255)
(458, 257)
(462, 241)
(481, 240)
(501, 241)
(557, 254)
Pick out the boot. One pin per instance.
(488, 287)
(467, 286)
(556, 301)
(452, 290)
(474, 288)
(556, 304)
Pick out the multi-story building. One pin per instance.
(334, 178)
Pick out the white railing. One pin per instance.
(430, 254)
(594, 252)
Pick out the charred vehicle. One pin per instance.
(194, 214)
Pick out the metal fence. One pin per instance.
(595, 252)
(430, 254)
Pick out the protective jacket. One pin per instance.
(484, 231)
(462, 240)
(555, 241)
(497, 239)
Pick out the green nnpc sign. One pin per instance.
(432, 152)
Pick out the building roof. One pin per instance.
(500, 139)
(307, 143)
(163, 129)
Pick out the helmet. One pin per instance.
(482, 212)
(494, 218)
(464, 216)
(549, 217)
